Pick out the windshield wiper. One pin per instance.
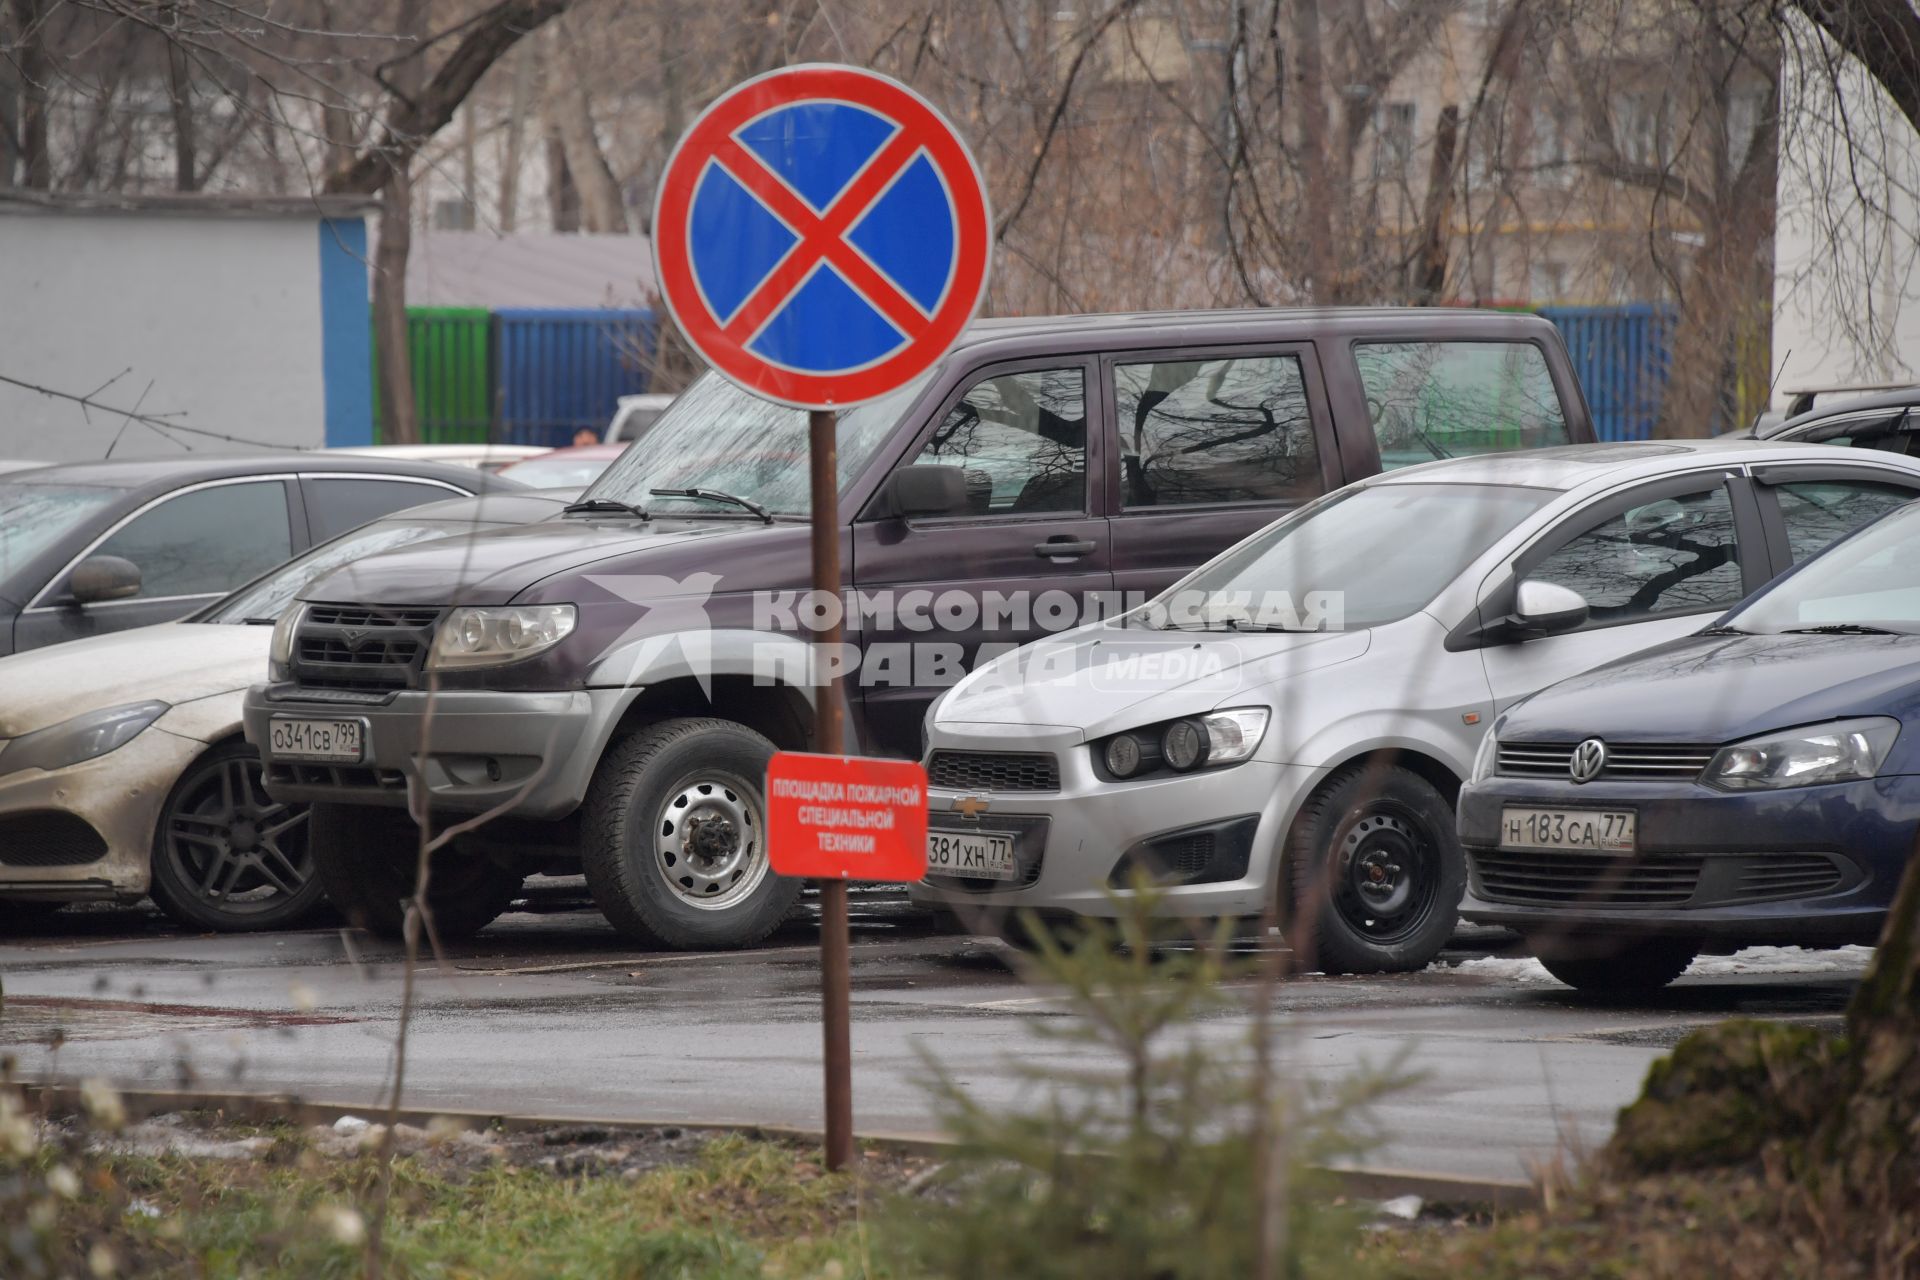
(605, 506)
(716, 495)
(1840, 629)
(1722, 631)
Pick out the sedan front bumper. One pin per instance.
(1803, 865)
(86, 832)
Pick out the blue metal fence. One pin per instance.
(1621, 356)
(557, 371)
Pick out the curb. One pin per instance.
(1360, 1183)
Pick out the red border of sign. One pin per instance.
(973, 236)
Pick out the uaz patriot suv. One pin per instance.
(605, 688)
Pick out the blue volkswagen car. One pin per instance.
(1757, 782)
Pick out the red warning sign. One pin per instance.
(846, 817)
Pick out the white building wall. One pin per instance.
(1847, 249)
(220, 313)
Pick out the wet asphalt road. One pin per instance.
(549, 1013)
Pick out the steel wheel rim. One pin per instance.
(1388, 874)
(233, 846)
(709, 840)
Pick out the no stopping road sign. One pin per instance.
(822, 235)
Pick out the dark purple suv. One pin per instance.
(606, 687)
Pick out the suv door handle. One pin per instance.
(1064, 547)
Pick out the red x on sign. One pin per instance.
(822, 236)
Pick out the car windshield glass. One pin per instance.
(1870, 580)
(1360, 558)
(33, 516)
(717, 436)
(264, 598)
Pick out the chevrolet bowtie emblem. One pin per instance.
(971, 806)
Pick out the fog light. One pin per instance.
(1123, 755)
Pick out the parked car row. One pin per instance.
(1342, 611)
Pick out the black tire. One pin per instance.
(674, 841)
(367, 859)
(226, 855)
(1617, 967)
(1375, 859)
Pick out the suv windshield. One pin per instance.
(33, 516)
(1371, 555)
(717, 436)
(263, 599)
(1871, 581)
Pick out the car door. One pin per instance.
(1208, 446)
(1654, 563)
(191, 547)
(1023, 560)
(337, 503)
(1806, 507)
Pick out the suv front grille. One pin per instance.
(1570, 880)
(993, 771)
(362, 646)
(1677, 761)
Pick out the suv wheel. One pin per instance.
(675, 841)
(1375, 858)
(367, 858)
(226, 856)
(1614, 966)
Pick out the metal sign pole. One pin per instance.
(836, 976)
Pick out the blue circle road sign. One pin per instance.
(822, 235)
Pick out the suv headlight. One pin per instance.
(280, 655)
(1485, 758)
(485, 637)
(82, 738)
(1186, 744)
(1842, 751)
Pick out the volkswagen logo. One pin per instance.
(1589, 758)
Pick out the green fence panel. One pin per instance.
(452, 377)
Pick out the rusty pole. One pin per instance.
(829, 738)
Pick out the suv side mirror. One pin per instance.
(1543, 608)
(923, 491)
(99, 578)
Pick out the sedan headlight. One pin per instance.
(1183, 745)
(486, 637)
(82, 738)
(1842, 751)
(1484, 758)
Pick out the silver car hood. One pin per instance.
(175, 662)
(1104, 678)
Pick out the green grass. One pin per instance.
(741, 1209)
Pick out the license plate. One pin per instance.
(981, 855)
(1592, 830)
(336, 741)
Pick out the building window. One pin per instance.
(454, 214)
(1393, 140)
(1641, 127)
(1551, 152)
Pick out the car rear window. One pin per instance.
(1433, 400)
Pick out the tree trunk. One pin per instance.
(30, 60)
(1312, 140)
(400, 423)
(601, 208)
(180, 100)
(563, 200)
(520, 103)
(1878, 1138)
(1436, 219)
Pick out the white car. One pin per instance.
(489, 458)
(635, 414)
(1296, 716)
(122, 767)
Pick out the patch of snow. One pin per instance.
(1406, 1208)
(1850, 961)
(351, 1125)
